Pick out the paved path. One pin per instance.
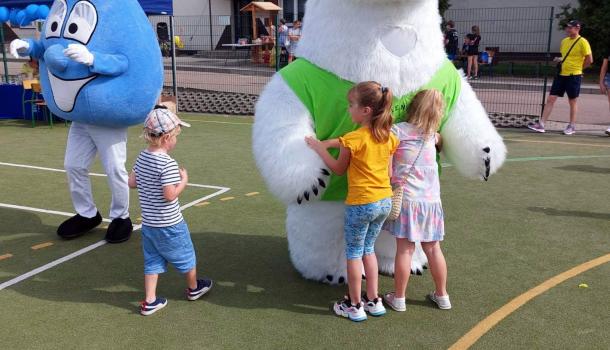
(499, 94)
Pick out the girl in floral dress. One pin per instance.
(414, 167)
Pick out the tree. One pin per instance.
(443, 5)
(595, 16)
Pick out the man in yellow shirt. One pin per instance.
(569, 79)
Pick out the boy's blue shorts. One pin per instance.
(167, 244)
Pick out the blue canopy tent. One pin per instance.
(151, 7)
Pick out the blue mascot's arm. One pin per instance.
(36, 49)
(105, 64)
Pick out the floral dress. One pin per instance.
(421, 217)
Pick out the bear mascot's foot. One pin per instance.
(77, 226)
(119, 230)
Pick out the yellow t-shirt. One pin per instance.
(573, 64)
(367, 174)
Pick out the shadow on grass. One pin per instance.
(585, 169)
(250, 272)
(575, 213)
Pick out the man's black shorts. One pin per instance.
(566, 84)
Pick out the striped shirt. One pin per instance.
(153, 171)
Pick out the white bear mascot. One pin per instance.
(397, 43)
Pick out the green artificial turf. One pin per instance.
(536, 218)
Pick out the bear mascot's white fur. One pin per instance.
(397, 43)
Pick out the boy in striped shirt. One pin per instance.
(165, 235)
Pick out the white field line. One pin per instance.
(220, 190)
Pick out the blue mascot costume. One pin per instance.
(101, 68)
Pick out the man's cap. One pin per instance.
(574, 23)
(161, 121)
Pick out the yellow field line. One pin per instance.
(6, 256)
(561, 143)
(251, 194)
(42, 245)
(227, 199)
(202, 204)
(490, 321)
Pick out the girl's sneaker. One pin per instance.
(203, 286)
(441, 301)
(150, 308)
(345, 308)
(374, 307)
(396, 304)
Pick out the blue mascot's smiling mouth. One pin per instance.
(65, 91)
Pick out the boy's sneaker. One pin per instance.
(536, 127)
(203, 286)
(150, 308)
(569, 130)
(373, 307)
(345, 308)
(394, 303)
(441, 301)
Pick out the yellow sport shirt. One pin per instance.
(368, 180)
(573, 64)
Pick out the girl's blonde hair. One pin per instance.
(371, 94)
(426, 111)
(157, 141)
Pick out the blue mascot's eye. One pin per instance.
(73, 28)
(54, 26)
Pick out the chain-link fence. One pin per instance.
(513, 64)
(224, 62)
(220, 67)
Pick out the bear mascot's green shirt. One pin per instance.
(325, 96)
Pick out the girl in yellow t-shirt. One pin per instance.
(365, 154)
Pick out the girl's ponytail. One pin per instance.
(379, 99)
(381, 122)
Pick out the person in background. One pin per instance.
(576, 55)
(451, 41)
(472, 51)
(294, 35)
(29, 70)
(604, 83)
(283, 38)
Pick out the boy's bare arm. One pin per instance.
(131, 182)
(171, 192)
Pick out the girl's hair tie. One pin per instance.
(384, 89)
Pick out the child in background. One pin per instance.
(165, 235)
(365, 154)
(414, 168)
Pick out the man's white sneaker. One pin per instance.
(608, 132)
(441, 301)
(396, 304)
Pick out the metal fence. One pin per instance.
(516, 43)
(217, 74)
(219, 68)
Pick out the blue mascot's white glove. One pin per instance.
(80, 54)
(19, 46)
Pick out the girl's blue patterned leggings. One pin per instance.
(362, 226)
